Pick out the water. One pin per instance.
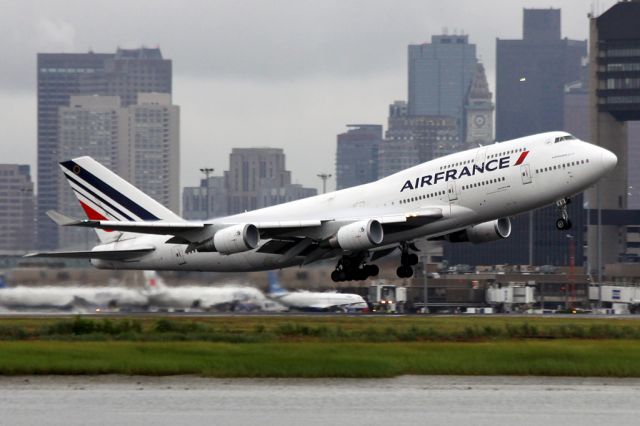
(266, 402)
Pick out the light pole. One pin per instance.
(572, 263)
(207, 171)
(324, 177)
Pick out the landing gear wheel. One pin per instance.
(353, 269)
(410, 259)
(563, 224)
(372, 270)
(404, 272)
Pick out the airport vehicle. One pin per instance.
(315, 301)
(466, 196)
(387, 297)
(226, 297)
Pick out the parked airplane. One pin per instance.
(200, 297)
(466, 196)
(71, 298)
(315, 301)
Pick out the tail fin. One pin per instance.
(104, 195)
(153, 283)
(274, 283)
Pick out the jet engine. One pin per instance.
(360, 235)
(236, 238)
(483, 232)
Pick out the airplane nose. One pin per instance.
(609, 160)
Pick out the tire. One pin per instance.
(561, 224)
(335, 276)
(372, 270)
(568, 225)
(412, 259)
(409, 272)
(404, 272)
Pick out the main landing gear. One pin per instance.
(407, 260)
(353, 269)
(563, 223)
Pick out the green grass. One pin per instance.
(326, 346)
(315, 359)
(321, 329)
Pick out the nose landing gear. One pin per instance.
(563, 223)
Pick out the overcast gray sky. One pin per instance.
(288, 73)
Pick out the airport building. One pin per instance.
(124, 73)
(17, 226)
(357, 155)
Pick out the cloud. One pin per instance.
(55, 35)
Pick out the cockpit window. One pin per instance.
(564, 138)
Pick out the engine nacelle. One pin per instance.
(360, 235)
(236, 238)
(483, 232)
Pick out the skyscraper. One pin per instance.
(60, 75)
(95, 126)
(357, 155)
(247, 168)
(139, 142)
(17, 230)
(415, 139)
(154, 148)
(440, 73)
(531, 75)
(206, 201)
(257, 177)
(479, 110)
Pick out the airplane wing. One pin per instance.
(196, 231)
(287, 238)
(96, 254)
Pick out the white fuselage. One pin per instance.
(308, 300)
(203, 297)
(510, 178)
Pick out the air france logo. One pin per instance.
(457, 173)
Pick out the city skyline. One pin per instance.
(291, 81)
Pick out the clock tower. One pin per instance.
(478, 111)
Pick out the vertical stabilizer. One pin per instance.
(104, 195)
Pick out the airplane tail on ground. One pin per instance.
(153, 282)
(104, 195)
(274, 284)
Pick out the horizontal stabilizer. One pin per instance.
(61, 219)
(96, 254)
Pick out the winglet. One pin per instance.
(61, 219)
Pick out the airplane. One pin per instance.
(199, 297)
(315, 301)
(70, 298)
(466, 196)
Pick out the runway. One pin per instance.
(451, 400)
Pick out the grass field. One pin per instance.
(324, 346)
